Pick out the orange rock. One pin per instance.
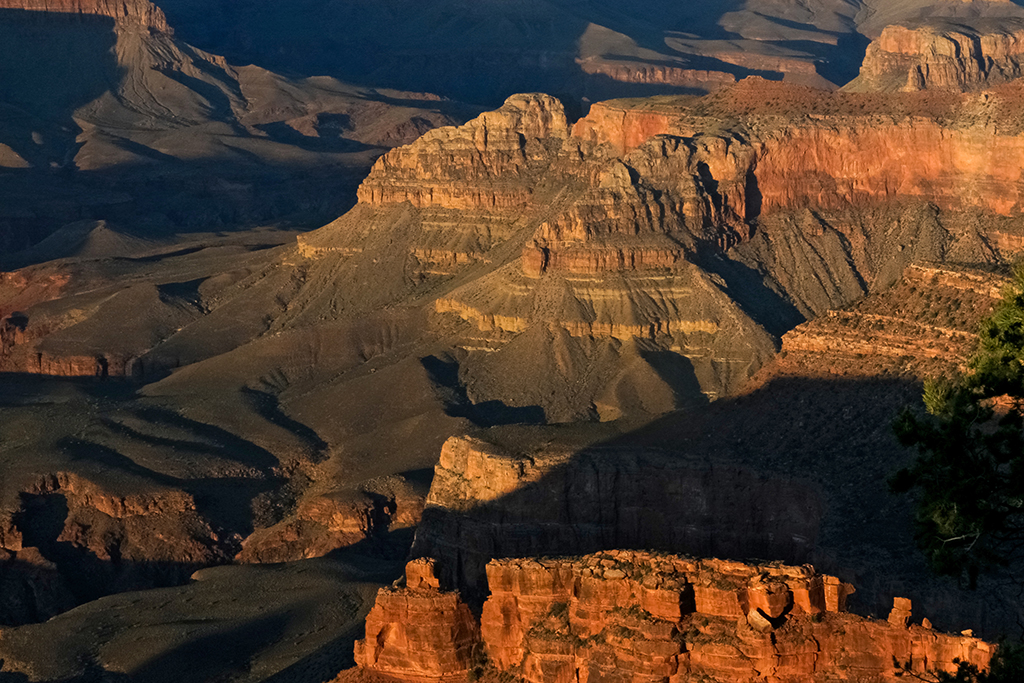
(944, 57)
(568, 620)
(901, 612)
(419, 633)
(571, 620)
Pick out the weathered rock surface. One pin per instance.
(649, 617)
(138, 13)
(419, 632)
(326, 522)
(72, 541)
(489, 501)
(943, 56)
(623, 615)
(652, 74)
(651, 222)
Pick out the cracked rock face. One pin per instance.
(644, 616)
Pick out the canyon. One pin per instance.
(559, 354)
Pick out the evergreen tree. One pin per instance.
(969, 473)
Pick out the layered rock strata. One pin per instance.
(419, 632)
(138, 13)
(925, 325)
(650, 74)
(943, 57)
(490, 501)
(623, 615)
(655, 222)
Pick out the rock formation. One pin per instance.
(418, 632)
(627, 72)
(490, 501)
(337, 519)
(137, 13)
(72, 540)
(640, 616)
(943, 56)
(650, 223)
(926, 324)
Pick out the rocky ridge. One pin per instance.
(644, 616)
(138, 13)
(490, 501)
(925, 325)
(71, 541)
(943, 56)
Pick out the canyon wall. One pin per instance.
(138, 13)
(490, 501)
(623, 615)
(943, 56)
(625, 72)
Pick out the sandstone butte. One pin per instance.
(639, 616)
(139, 13)
(943, 55)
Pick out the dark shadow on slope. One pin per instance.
(795, 471)
(229, 445)
(267, 407)
(677, 372)
(750, 290)
(841, 63)
(495, 49)
(225, 502)
(220, 656)
(217, 656)
(89, 573)
(169, 199)
(280, 131)
(51, 65)
(444, 373)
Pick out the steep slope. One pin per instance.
(107, 116)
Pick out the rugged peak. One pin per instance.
(943, 56)
(125, 12)
(456, 167)
(534, 115)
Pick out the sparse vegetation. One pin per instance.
(970, 471)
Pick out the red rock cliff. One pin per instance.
(623, 615)
(419, 632)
